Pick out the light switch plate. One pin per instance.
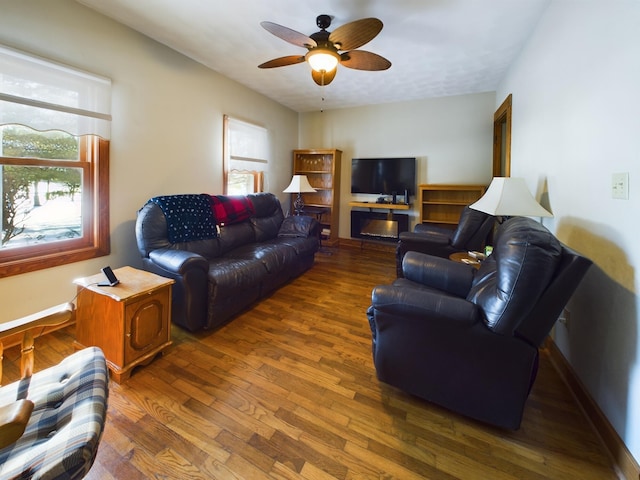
(620, 186)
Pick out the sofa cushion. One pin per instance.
(273, 257)
(235, 235)
(268, 216)
(303, 246)
(230, 276)
(296, 226)
(207, 248)
(266, 228)
(507, 286)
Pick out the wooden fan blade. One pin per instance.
(323, 78)
(355, 34)
(362, 60)
(288, 35)
(282, 61)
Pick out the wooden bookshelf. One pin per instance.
(322, 168)
(443, 204)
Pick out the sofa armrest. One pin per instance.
(422, 303)
(299, 226)
(178, 262)
(439, 273)
(190, 292)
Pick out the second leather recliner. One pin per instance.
(473, 229)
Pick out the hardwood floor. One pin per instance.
(287, 390)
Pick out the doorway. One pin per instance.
(502, 139)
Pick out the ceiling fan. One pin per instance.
(324, 47)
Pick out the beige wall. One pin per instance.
(575, 123)
(451, 137)
(166, 133)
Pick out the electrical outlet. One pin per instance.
(620, 186)
(565, 318)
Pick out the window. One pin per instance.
(246, 151)
(241, 182)
(54, 164)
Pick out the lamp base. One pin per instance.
(298, 205)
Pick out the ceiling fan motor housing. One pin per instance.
(323, 21)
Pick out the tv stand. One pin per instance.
(385, 206)
(377, 225)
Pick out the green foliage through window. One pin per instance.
(39, 203)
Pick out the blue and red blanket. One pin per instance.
(231, 209)
(198, 216)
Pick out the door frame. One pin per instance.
(502, 141)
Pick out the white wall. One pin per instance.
(451, 137)
(166, 133)
(576, 120)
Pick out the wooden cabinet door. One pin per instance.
(146, 324)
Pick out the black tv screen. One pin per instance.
(383, 176)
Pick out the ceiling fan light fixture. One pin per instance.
(323, 47)
(323, 59)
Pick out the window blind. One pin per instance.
(247, 141)
(45, 95)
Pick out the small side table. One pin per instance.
(130, 322)
(464, 257)
(318, 212)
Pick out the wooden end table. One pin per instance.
(464, 257)
(130, 322)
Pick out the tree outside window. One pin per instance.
(40, 204)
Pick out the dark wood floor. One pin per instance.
(287, 390)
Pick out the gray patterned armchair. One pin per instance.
(51, 422)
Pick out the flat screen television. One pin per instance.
(383, 176)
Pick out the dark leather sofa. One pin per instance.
(468, 339)
(232, 264)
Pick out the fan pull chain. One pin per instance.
(322, 98)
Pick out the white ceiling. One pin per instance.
(436, 47)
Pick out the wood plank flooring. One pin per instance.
(287, 390)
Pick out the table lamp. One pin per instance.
(299, 184)
(509, 197)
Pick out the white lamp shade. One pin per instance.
(299, 184)
(509, 197)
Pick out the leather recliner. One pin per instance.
(471, 233)
(468, 339)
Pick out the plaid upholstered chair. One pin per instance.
(51, 422)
